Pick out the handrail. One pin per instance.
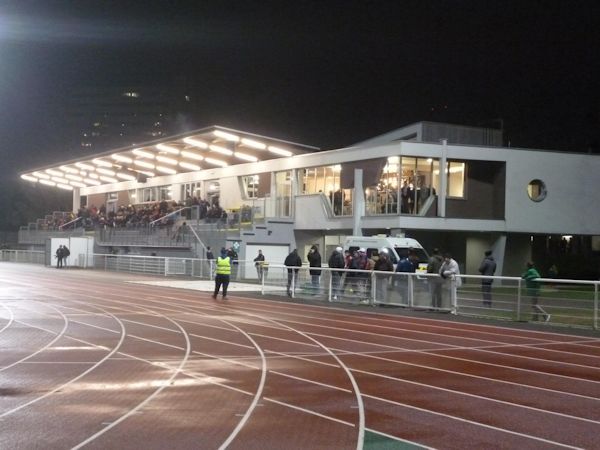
(167, 215)
(70, 222)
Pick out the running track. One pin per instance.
(90, 360)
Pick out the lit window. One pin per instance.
(536, 189)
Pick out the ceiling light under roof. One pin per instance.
(145, 172)
(195, 142)
(122, 158)
(221, 150)
(226, 136)
(109, 179)
(106, 171)
(56, 173)
(166, 160)
(60, 180)
(216, 162)
(192, 155)
(41, 175)
(93, 175)
(280, 151)
(68, 169)
(73, 177)
(125, 176)
(167, 149)
(254, 144)
(145, 164)
(48, 182)
(92, 182)
(245, 157)
(64, 186)
(143, 153)
(190, 166)
(166, 170)
(101, 162)
(77, 184)
(85, 166)
(29, 178)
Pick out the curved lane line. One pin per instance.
(11, 317)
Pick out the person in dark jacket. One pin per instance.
(293, 263)
(314, 260)
(336, 261)
(259, 263)
(383, 264)
(487, 267)
(406, 265)
(435, 283)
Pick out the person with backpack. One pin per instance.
(314, 261)
(59, 256)
(293, 264)
(336, 261)
(66, 253)
(435, 282)
(363, 279)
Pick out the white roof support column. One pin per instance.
(443, 180)
(358, 210)
(76, 199)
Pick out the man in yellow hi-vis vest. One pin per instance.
(223, 272)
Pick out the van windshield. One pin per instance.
(403, 253)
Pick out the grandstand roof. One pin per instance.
(210, 147)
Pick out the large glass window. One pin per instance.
(283, 196)
(326, 179)
(190, 190)
(456, 179)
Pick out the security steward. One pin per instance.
(223, 273)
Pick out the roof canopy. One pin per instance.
(201, 149)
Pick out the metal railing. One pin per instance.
(555, 301)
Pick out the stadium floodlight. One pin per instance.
(142, 153)
(121, 158)
(164, 159)
(85, 166)
(280, 151)
(145, 164)
(101, 162)
(29, 178)
(254, 144)
(216, 162)
(221, 150)
(167, 149)
(192, 155)
(64, 186)
(245, 157)
(47, 182)
(164, 169)
(195, 142)
(226, 136)
(190, 166)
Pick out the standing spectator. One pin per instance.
(233, 256)
(435, 283)
(487, 267)
(450, 272)
(406, 265)
(181, 233)
(292, 262)
(348, 277)
(65, 255)
(210, 257)
(59, 257)
(223, 273)
(314, 260)
(363, 262)
(383, 264)
(533, 291)
(336, 261)
(259, 264)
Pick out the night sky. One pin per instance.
(323, 73)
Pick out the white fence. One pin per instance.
(563, 302)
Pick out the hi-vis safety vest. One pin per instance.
(223, 266)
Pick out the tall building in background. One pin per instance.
(100, 118)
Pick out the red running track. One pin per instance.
(91, 360)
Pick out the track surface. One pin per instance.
(88, 359)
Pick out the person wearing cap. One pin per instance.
(487, 267)
(223, 273)
(336, 261)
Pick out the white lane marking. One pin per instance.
(11, 317)
(483, 425)
(308, 411)
(326, 385)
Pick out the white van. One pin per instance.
(397, 248)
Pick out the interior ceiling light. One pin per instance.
(166, 160)
(77, 184)
(195, 142)
(73, 177)
(109, 179)
(85, 166)
(145, 172)
(68, 169)
(254, 144)
(83, 173)
(106, 171)
(166, 170)
(56, 173)
(92, 182)
(145, 164)
(216, 162)
(192, 155)
(190, 166)
(219, 149)
(125, 176)
(125, 159)
(93, 175)
(64, 186)
(226, 136)
(167, 149)
(29, 178)
(279, 151)
(47, 182)
(60, 180)
(143, 153)
(100, 162)
(41, 175)
(245, 157)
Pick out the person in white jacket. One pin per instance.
(450, 270)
